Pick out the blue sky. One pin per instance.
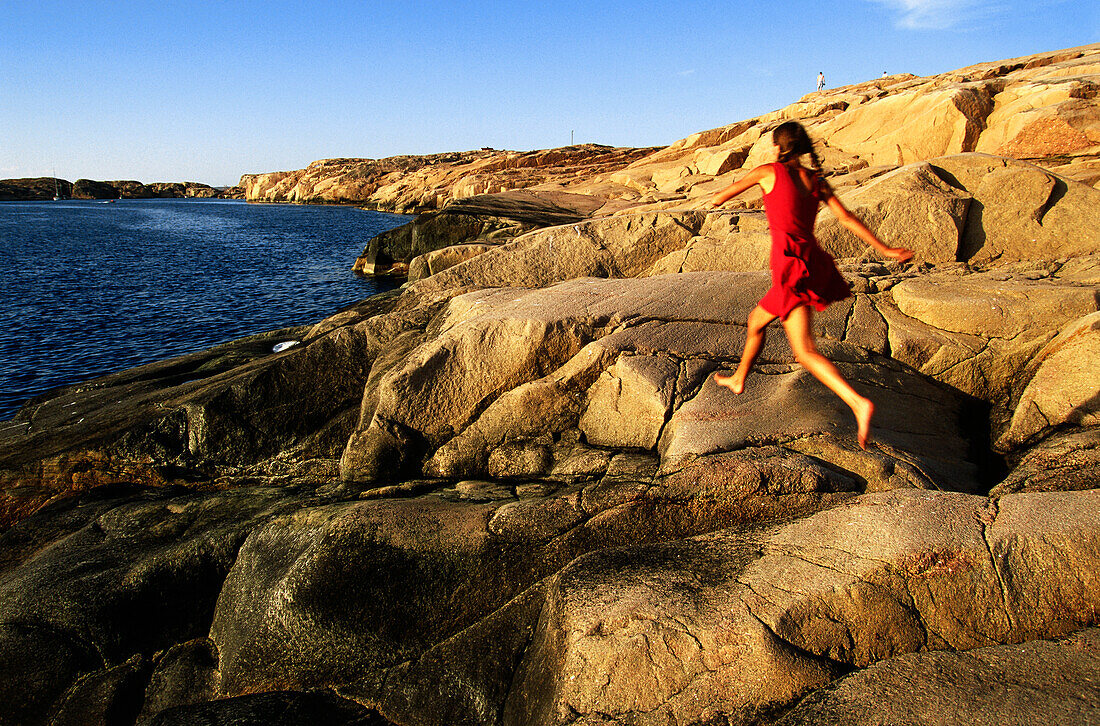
(207, 91)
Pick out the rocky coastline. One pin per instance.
(46, 188)
(510, 492)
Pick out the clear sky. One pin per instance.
(207, 91)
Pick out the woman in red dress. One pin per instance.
(804, 276)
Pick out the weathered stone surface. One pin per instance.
(913, 124)
(919, 430)
(995, 685)
(88, 597)
(725, 242)
(109, 696)
(430, 263)
(217, 412)
(37, 667)
(630, 402)
(490, 217)
(1065, 390)
(991, 308)
(732, 626)
(968, 207)
(1065, 461)
(909, 207)
(413, 183)
(1040, 108)
(183, 675)
(613, 247)
(980, 333)
(1020, 211)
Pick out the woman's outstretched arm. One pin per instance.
(853, 223)
(739, 186)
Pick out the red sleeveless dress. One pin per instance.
(802, 272)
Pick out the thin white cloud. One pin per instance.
(689, 72)
(933, 14)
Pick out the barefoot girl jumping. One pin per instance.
(804, 277)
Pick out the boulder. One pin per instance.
(96, 586)
(920, 433)
(1064, 461)
(912, 125)
(183, 675)
(909, 207)
(630, 402)
(980, 333)
(37, 666)
(1020, 211)
(113, 695)
(1065, 390)
(985, 306)
(611, 247)
(430, 263)
(725, 241)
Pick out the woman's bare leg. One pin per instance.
(754, 341)
(798, 325)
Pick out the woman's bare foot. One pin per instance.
(732, 382)
(863, 410)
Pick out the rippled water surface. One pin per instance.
(91, 288)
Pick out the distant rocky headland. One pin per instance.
(45, 188)
(511, 493)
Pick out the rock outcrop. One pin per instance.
(512, 493)
(421, 183)
(47, 188)
(1040, 109)
(41, 188)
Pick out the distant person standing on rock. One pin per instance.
(820, 80)
(804, 276)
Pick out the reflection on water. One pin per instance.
(91, 288)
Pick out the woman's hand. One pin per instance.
(900, 254)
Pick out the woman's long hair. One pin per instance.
(793, 142)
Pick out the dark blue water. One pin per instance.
(92, 288)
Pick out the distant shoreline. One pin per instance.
(50, 188)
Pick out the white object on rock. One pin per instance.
(285, 345)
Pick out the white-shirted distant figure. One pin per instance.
(820, 80)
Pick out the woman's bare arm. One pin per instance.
(742, 184)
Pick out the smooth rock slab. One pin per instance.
(991, 308)
(1053, 682)
(918, 436)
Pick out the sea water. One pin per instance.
(90, 288)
